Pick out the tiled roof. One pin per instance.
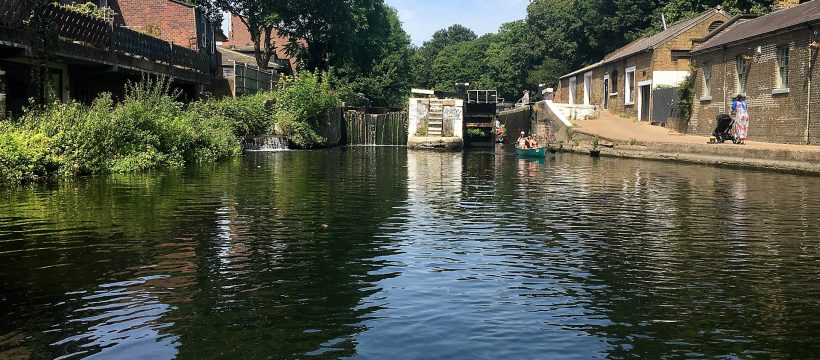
(651, 42)
(778, 20)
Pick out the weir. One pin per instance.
(363, 128)
(267, 143)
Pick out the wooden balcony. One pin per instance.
(89, 40)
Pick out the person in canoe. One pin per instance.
(533, 142)
(522, 142)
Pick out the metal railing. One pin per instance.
(482, 96)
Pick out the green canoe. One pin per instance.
(535, 153)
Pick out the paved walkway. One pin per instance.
(621, 130)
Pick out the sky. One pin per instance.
(421, 18)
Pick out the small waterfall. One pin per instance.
(267, 143)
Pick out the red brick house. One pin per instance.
(772, 60)
(239, 39)
(96, 54)
(174, 21)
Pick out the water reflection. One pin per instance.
(382, 253)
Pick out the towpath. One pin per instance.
(642, 140)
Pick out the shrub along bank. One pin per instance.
(151, 130)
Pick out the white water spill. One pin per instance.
(267, 144)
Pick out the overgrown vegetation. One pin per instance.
(686, 97)
(91, 9)
(151, 130)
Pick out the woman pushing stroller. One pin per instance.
(737, 129)
(741, 112)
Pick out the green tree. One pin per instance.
(260, 17)
(380, 76)
(324, 31)
(425, 56)
(463, 62)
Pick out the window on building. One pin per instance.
(629, 86)
(572, 84)
(680, 54)
(714, 25)
(707, 80)
(741, 74)
(614, 79)
(783, 67)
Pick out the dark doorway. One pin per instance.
(606, 93)
(644, 93)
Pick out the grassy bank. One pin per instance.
(151, 130)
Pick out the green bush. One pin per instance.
(302, 103)
(151, 130)
(25, 155)
(250, 115)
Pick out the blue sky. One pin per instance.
(422, 18)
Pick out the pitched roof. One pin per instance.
(653, 41)
(778, 20)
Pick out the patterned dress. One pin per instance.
(742, 121)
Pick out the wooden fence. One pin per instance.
(12, 12)
(79, 27)
(249, 79)
(98, 33)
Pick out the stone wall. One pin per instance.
(452, 116)
(777, 115)
(331, 128)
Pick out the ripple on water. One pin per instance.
(387, 253)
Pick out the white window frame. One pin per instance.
(707, 81)
(740, 69)
(573, 84)
(629, 97)
(613, 88)
(782, 73)
(588, 88)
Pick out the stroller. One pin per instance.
(723, 130)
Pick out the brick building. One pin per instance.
(772, 61)
(239, 40)
(174, 21)
(95, 54)
(624, 80)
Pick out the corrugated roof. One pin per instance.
(778, 20)
(651, 42)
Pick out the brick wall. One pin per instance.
(617, 104)
(775, 117)
(645, 64)
(662, 56)
(176, 21)
(240, 37)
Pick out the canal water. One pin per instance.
(385, 253)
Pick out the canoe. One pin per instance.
(538, 152)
